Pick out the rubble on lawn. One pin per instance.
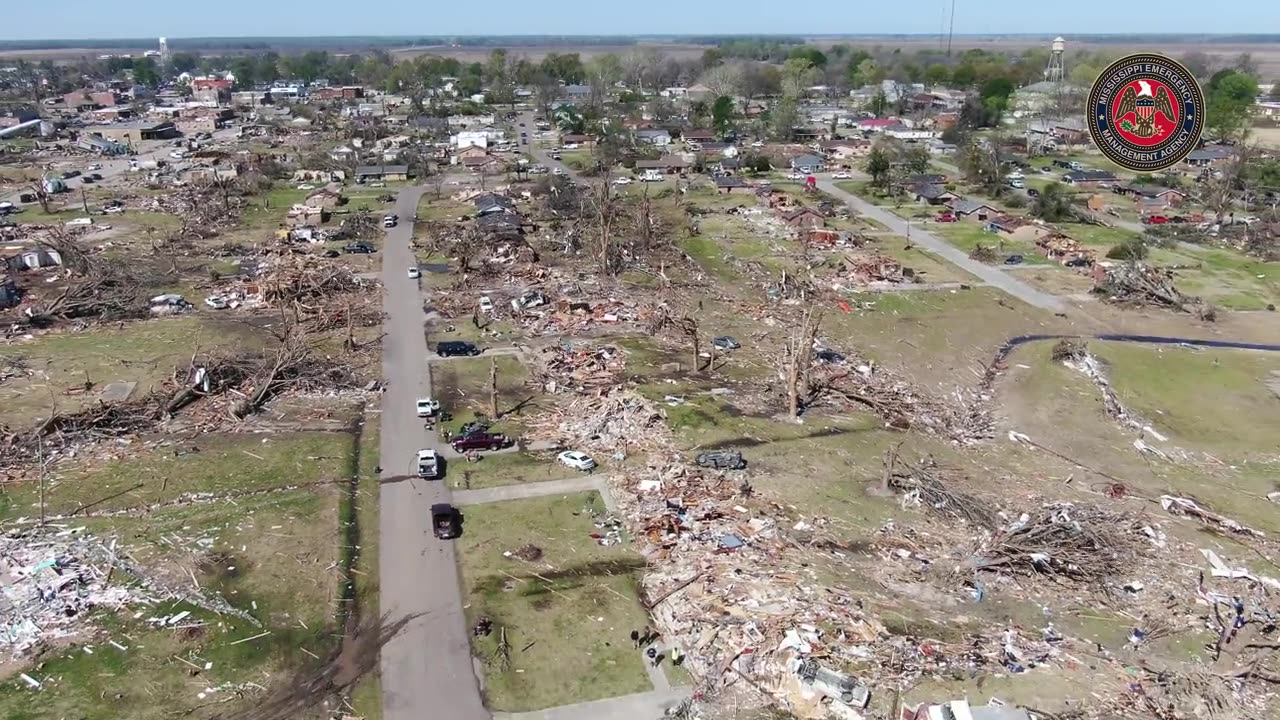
(731, 579)
(577, 367)
(964, 418)
(1140, 283)
(870, 268)
(53, 577)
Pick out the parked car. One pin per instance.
(95, 166)
(947, 218)
(446, 521)
(216, 302)
(577, 460)
(429, 465)
(486, 305)
(70, 174)
(454, 348)
(1013, 260)
(428, 407)
(389, 221)
(96, 176)
(726, 342)
(358, 249)
(622, 181)
(414, 273)
(557, 171)
(87, 180)
(721, 460)
(306, 186)
(795, 176)
(1154, 220)
(842, 175)
(1078, 262)
(479, 441)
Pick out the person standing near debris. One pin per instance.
(635, 639)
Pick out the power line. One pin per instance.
(951, 31)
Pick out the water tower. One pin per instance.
(164, 51)
(1056, 71)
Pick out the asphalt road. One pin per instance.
(992, 276)
(427, 670)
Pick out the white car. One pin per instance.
(114, 210)
(795, 176)
(622, 181)
(576, 460)
(486, 305)
(216, 302)
(842, 175)
(95, 166)
(306, 186)
(558, 171)
(428, 407)
(414, 273)
(757, 144)
(177, 155)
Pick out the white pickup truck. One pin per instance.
(428, 407)
(428, 463)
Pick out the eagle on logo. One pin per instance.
(1145, 104)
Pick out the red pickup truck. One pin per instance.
(1155, 220)
(480, 441)
(947, 217)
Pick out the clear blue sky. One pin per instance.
(23, 20)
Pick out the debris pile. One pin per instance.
(1076, 541)
(871, 267)
(732, 580)
(578, 368)
(52, 577)
(963, 418)
(1140, 283)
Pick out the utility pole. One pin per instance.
(40, 453)
(493, 387)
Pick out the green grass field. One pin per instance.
(567, 613)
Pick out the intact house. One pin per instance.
(728, 166)
(668, 164)
(1089, 178)
(1207, 156)
(979, 211)
(803, 217)
(342, 154)
(1152, 195)
(808, 163)
(384, 173)
(654, 136)
(932, 194)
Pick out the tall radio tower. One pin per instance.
(164, 52)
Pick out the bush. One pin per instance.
(1129, 250)
(1016, 200)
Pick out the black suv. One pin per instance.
(358, 248)
(454, 348)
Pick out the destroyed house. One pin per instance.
(383, 173)
(805, 217)
(925, 179)
(666, 163)
(500, 223)
(1005, 223)
(728, 182)
(698, 136)
(490, 203)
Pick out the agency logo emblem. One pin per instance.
(1145, 112)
